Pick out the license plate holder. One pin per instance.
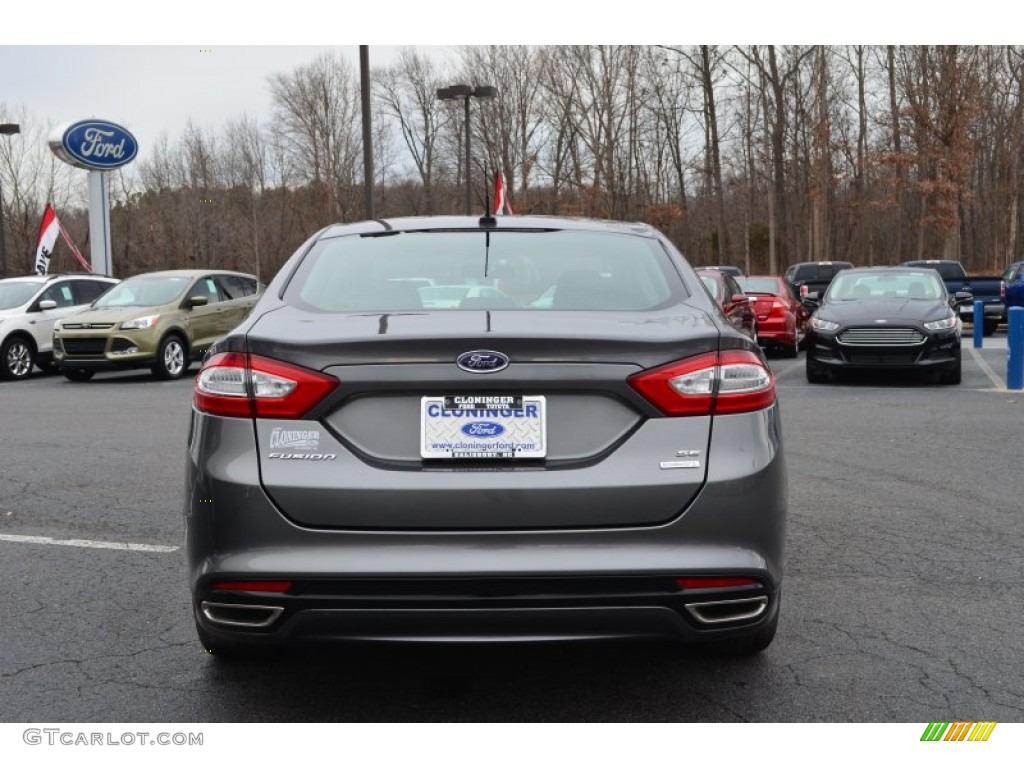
(483, 427)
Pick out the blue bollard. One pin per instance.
(1015, 349)
(979, 323)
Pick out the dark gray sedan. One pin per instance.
(603, 463)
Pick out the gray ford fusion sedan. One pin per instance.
(581, 447)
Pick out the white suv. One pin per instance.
(29, 306)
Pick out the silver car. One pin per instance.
(607, 464)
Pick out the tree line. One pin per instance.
(758, 156)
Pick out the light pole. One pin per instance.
(465, 92)
(6, 129)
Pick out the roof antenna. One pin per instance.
(487, 220)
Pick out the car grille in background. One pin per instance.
(89, 326)
(85, 347)
(881, 337)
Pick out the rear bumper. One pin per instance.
(484, 585)
(776, 336)
(534, 610)
(993, 311)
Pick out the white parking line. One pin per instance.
(86, 543)
(987, 369)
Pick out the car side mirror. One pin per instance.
(741, 298)
(46, 304)
(198, 301)
(962, 297)
(811, 301)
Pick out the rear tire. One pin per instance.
(17, 358)
(791, 350)
(988, 327)
(172, 358)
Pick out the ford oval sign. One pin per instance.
(483, 429)
(482, 361)
(96, 145)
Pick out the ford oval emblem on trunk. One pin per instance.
(482, 361)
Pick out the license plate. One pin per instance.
(483, 427)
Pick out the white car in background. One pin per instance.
(29, 307)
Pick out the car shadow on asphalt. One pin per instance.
(611, 681)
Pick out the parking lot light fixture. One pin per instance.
(466, 92)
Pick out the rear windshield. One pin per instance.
(948, 270)
(560, 270)
(760, 285)
(816, 272)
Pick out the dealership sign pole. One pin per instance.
(99, 147)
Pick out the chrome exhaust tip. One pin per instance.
(237, 615)
(722, 611)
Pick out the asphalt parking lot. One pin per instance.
(905, 578)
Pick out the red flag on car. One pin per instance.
(48, 231)
(501, 203)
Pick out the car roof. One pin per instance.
(190, 273)
(907, 270)
(470, 223)
(53, 276)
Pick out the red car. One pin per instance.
(781, 317)
(727, 293)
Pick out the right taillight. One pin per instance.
(732, 381)
(237, 384)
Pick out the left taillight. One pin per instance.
(248, 386)
(732, 381)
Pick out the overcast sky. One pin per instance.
(154, 67)
(153, 88)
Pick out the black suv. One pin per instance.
(814, 276)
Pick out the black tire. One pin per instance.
(814, 374)
(172, 358)
(951, 376)
(17, 358)
(792, 350)
(988, 327)
(226, 652)
(77, 374)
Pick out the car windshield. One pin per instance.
(556, 270)
(851, 286)
(144, 292)
(760, 285)
(15, 293)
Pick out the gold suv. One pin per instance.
(158, 320)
